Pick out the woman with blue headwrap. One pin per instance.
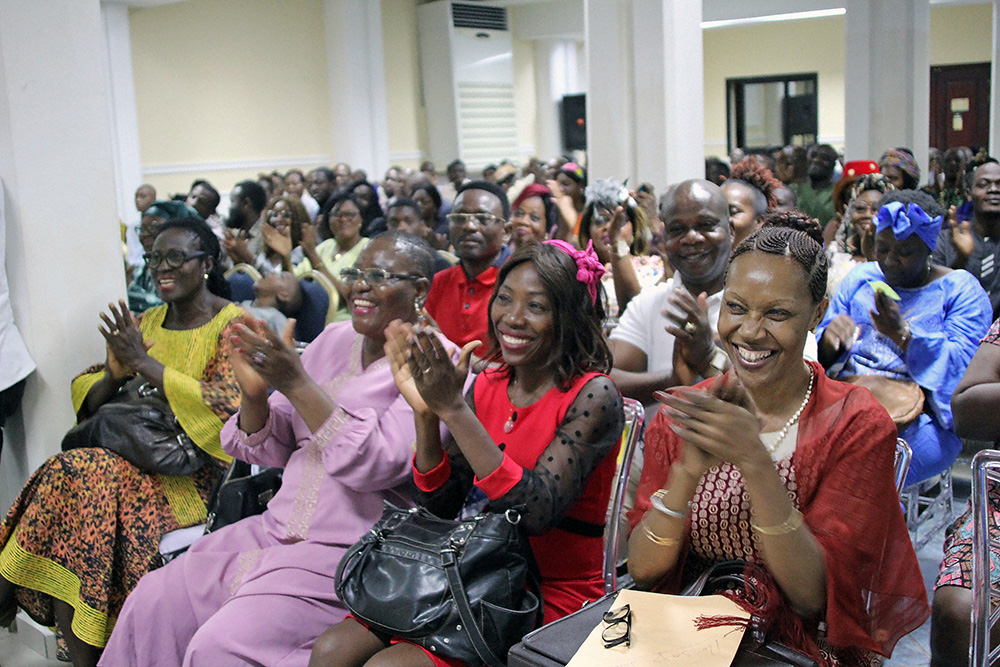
(907, 329)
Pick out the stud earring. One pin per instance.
(206, 276)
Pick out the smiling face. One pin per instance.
(187, 280)
(320, 186)
(345, 223)
(697, 234)
(904, 263)
(478, 241)
(373, 307)
(148, 229)
(523, 319)
(294, 185)
(986, 190)
(767, 312)
(741, 210)
(862, 209)
(527, 221)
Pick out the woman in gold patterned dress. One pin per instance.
(88, 523)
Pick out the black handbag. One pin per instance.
(241, 494)
(138, 425)
(465, 589)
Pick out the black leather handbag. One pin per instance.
(241, 494)
(467, 590)
(138, 425)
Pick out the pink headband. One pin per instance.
(588, 268)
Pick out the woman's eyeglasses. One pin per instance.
(174, 259)
(374, 276)
(619, 622)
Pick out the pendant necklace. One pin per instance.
(508, 425)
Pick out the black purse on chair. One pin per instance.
(138, 425)
(461, 589)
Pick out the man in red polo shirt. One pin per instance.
(478, 228)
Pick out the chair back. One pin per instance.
(985, 474)
(332, 294)
(634, 417)
(902, 465)
(311, 318)
(241, 283)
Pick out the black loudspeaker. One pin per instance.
(574, 122)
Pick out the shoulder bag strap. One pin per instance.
(450, 563)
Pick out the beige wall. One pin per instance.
(218, 83)
(525, 105)
(959, 34)
(789, 47)
(407, 116)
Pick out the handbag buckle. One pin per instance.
(513, 516)
(146, 389)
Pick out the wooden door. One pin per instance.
(960, 105)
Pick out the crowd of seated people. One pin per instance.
(771, 317)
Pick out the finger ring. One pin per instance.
(116, 332)
(427, 370)
(258, 358)
(690, 327)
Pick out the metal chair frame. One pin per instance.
(985, 469)
(927, 514)
(902, 464)
(634, 417)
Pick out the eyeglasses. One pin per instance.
(481, 219)
(859, 207)
(174, 258)
(619, 622)
(374, 277)
(345, 215)
(284, 213)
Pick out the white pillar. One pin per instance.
(556, 74)
(123, 115)
(887, 74)
(995, 83)
(356, 74)
(59, 194)
(608, 27)
(669, 90)
(645, 96)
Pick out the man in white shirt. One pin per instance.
(665, 337)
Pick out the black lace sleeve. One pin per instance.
(587, 434)
(592, 426)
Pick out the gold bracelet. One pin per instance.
(789, 525)
(656, 539)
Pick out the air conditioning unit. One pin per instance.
(467, 71)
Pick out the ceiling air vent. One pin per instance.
(483, 17)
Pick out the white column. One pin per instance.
(356, 74)
(645, 96)
(887, 72)
(995, 83)
(123, 115)
(59, 194)
(608, 27)
(556, 74)
(669, 90)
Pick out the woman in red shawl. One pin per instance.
(776, 464)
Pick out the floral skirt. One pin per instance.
(86, 527)
(956, 568)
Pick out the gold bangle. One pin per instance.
(789, 525)
(656, 539)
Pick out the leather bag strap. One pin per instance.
(450, 563)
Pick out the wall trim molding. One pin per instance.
(262, 164)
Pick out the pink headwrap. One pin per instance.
(588, 268)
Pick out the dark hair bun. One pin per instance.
(795, 220)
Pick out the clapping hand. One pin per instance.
(123, 339)
(261, 359)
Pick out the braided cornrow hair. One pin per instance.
(795, 243)
(757, 176)
(795, 220)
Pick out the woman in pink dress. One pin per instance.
(540, 430)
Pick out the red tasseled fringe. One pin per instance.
(769, 614)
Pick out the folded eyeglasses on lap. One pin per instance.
(374, 276)
(619, 622)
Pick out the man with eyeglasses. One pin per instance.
(478, 229)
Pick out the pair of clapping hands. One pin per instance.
(694, 340)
